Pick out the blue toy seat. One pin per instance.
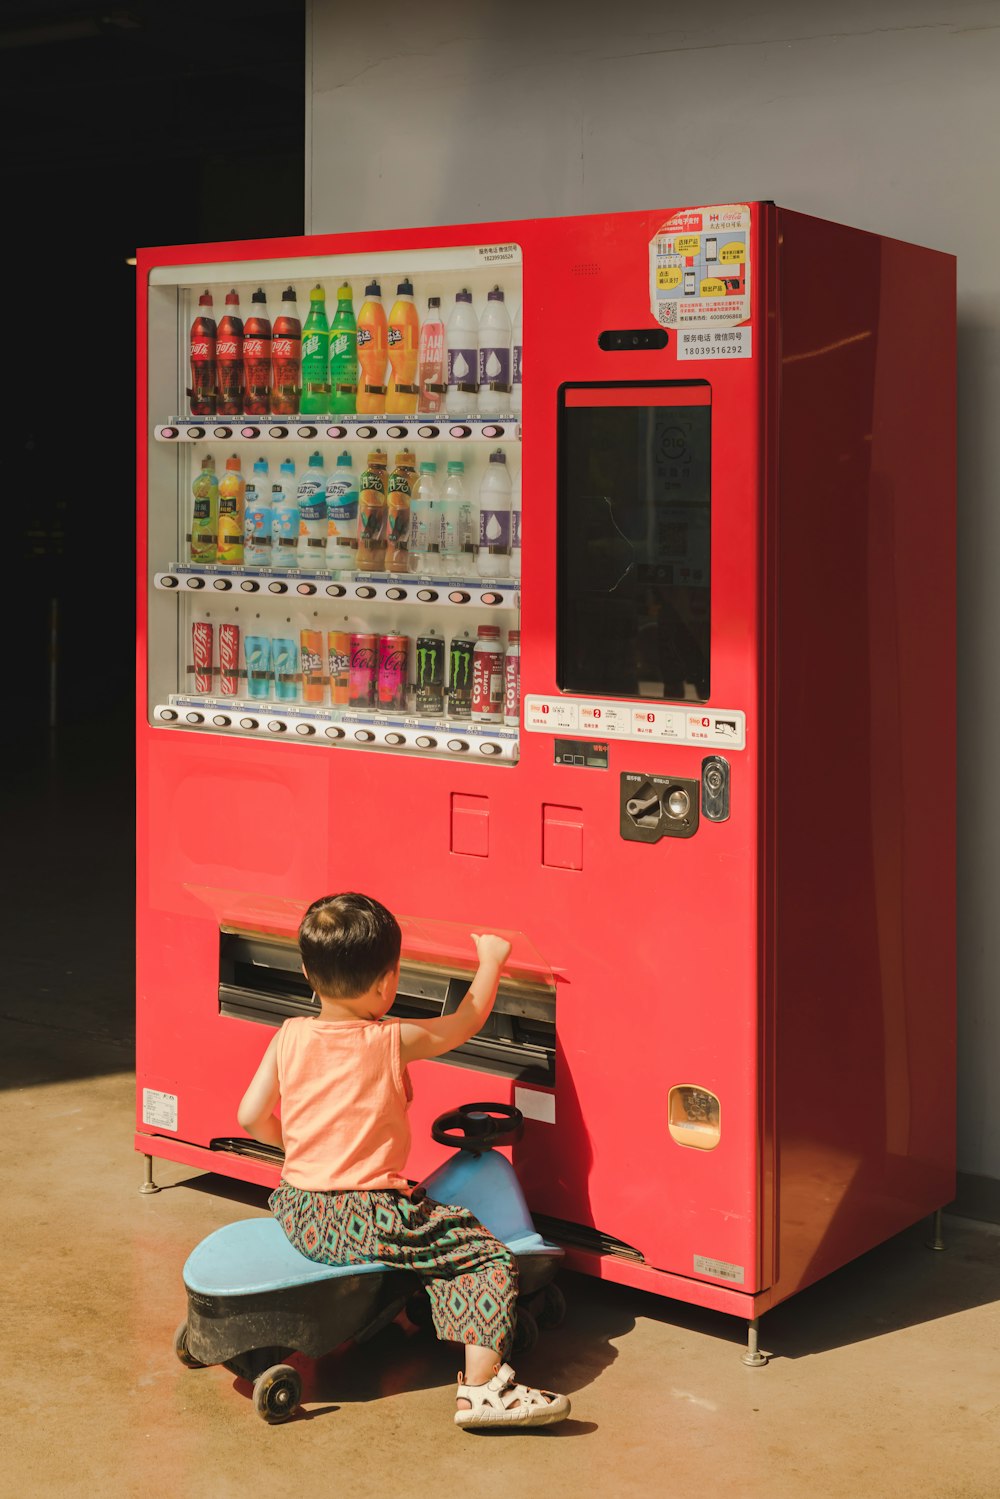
(253, 1255)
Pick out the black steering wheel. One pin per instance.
(479, 1126)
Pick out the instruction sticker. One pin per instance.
(699, 268)
(159, 1109)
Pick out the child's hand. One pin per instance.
(491, 948)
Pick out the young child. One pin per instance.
(344, 1198)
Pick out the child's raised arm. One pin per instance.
(432, 1038)
(256, 1111)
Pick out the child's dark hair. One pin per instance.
(347, 942)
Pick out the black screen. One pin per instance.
(634, 600)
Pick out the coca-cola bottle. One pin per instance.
(286, 357)
(257, 357)
(229, 354)
(202, 390)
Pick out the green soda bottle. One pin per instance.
(202, 543)
(344, 354)
(316, 355)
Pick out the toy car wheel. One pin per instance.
(418, 1309)
(182, 1351)
(525, 1332)
(552, 1312)
(276, 1393)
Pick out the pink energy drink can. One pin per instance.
(202, 640)
(229, 660)
(393, 654)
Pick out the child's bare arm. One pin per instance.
(432, 1038)
(256, 1111)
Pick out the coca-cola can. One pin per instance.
(393, 678)
(202, 647)
(229, 660)
(364, 670)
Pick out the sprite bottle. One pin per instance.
(344, 354)
(316, 355)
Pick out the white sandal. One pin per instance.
(504, 1402)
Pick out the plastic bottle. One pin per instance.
(316, 355)
(232, 489)
(372, 512)
(462, 346)
(285, 518)
(257, 356)
(312, 514)
(494, 356)
(342, 515)
(517, 336)
(456, 522)
(344, 353)
(372, 352)
(258, 546)
(515, 527)
(432, 377)
(286, 353)
(425, 521)
(203, 545)
(487, 676)
(202, 391)
(401, 481)
(493, 557)
(404, 353)
(229, 355)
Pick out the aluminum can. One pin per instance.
(460, 676)
(364, 671)
(229, 660)
(311, 656)
(202, 648)
(487, 676)
(430, 674)
(338, 655)
(393, 678)
(512, 680)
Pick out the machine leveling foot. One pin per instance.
(937, 1242)
(148, 1184)
(753, 1358)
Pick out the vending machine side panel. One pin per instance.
(863, 706)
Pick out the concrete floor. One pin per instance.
(884, 1381)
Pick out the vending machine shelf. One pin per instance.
(451, 738)
(390, 588)
(417, 429)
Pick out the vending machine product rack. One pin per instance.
(729, 1012)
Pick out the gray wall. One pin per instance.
(883, 115)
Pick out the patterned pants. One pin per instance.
(469, 1276)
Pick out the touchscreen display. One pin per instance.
(634, 569)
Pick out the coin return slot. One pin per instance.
(694, 1117)
(261, 979)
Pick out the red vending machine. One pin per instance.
(694, 754)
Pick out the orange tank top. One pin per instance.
(344, 1097)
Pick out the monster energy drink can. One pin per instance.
(460, 676)
(430, 674)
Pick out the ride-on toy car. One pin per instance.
(253, 1299)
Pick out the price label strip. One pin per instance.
(677, 724)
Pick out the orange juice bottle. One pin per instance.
(372, 352)
(404, 352)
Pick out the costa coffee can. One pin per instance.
(393, 678)
(512, 680)
(311, 658)
(460, 655)
(487, 676)
(338, 655)
(364, 671)
(202, 646)
(430, 674)
(229, 660)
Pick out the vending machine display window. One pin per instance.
(634, 565)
